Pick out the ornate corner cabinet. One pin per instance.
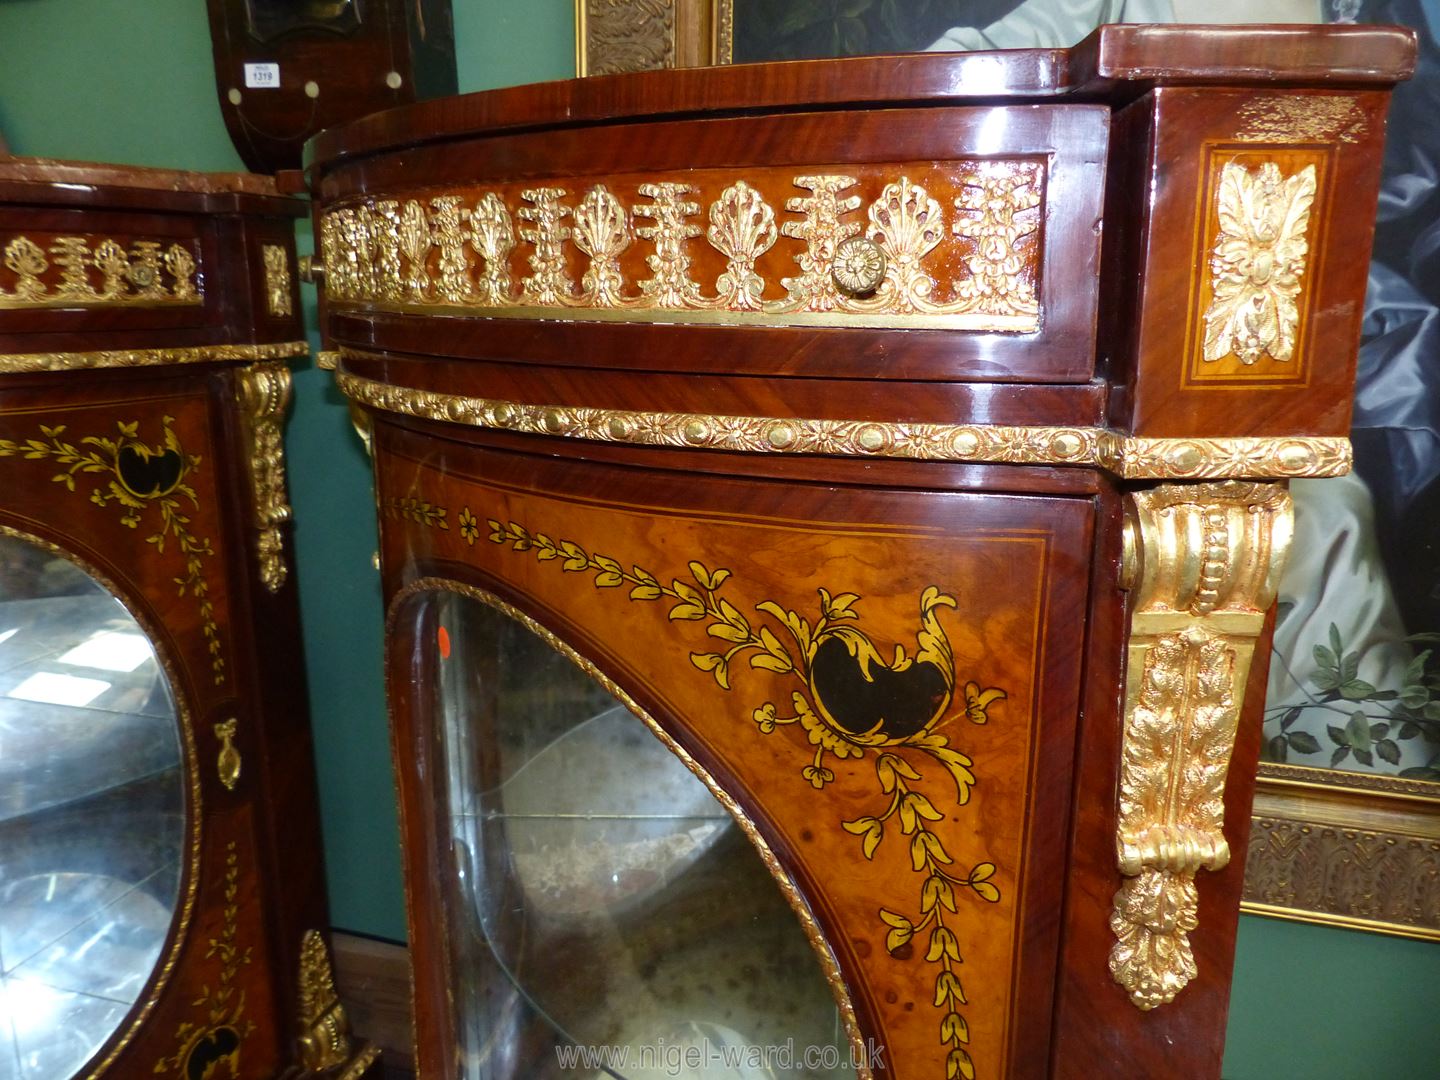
(160, 873)
(903, 441)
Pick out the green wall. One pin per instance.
(122, 81)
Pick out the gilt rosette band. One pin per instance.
(20, 363)
(1126, 456)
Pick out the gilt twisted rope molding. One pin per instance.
(1129, 457)
(1204, 560)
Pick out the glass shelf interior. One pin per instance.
(605, 915)
(92, 816)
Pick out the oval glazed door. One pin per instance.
(604, 914)
(92, 816)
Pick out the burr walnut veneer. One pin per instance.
(161, 888)
(903, 440)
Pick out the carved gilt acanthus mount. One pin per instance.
(1257, 264)
(1204, 562)
(972, 264)
(277, 279)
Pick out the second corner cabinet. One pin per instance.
(162, 894)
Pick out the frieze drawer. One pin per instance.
(982, 222)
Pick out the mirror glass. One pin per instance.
(605, 916)
(92, 814)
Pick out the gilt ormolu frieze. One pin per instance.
(42, 270)
(1260, 229)
(888, 721)
(1204, 561)
(926, 245)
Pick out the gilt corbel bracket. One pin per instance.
(265, 395)
(327, 1049)
(1203, 561)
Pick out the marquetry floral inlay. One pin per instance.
(149, 485)
(213, 1038)
(88, 271)
(1258, 262)
(828, 677)
(971, 264)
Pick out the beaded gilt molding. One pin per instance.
(1204, 561)
(88, 271)
(893, 257)
(1126, 456)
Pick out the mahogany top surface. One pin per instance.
(26, 179)
(1116, 62)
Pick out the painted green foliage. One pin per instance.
(1369, 723)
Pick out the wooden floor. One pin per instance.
(373, 979)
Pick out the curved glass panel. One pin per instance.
(605, 915)
(92, 814)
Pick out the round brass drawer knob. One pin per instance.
(312, 270)
(859, 267)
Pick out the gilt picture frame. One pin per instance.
(1345, 849)
(613, 36)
